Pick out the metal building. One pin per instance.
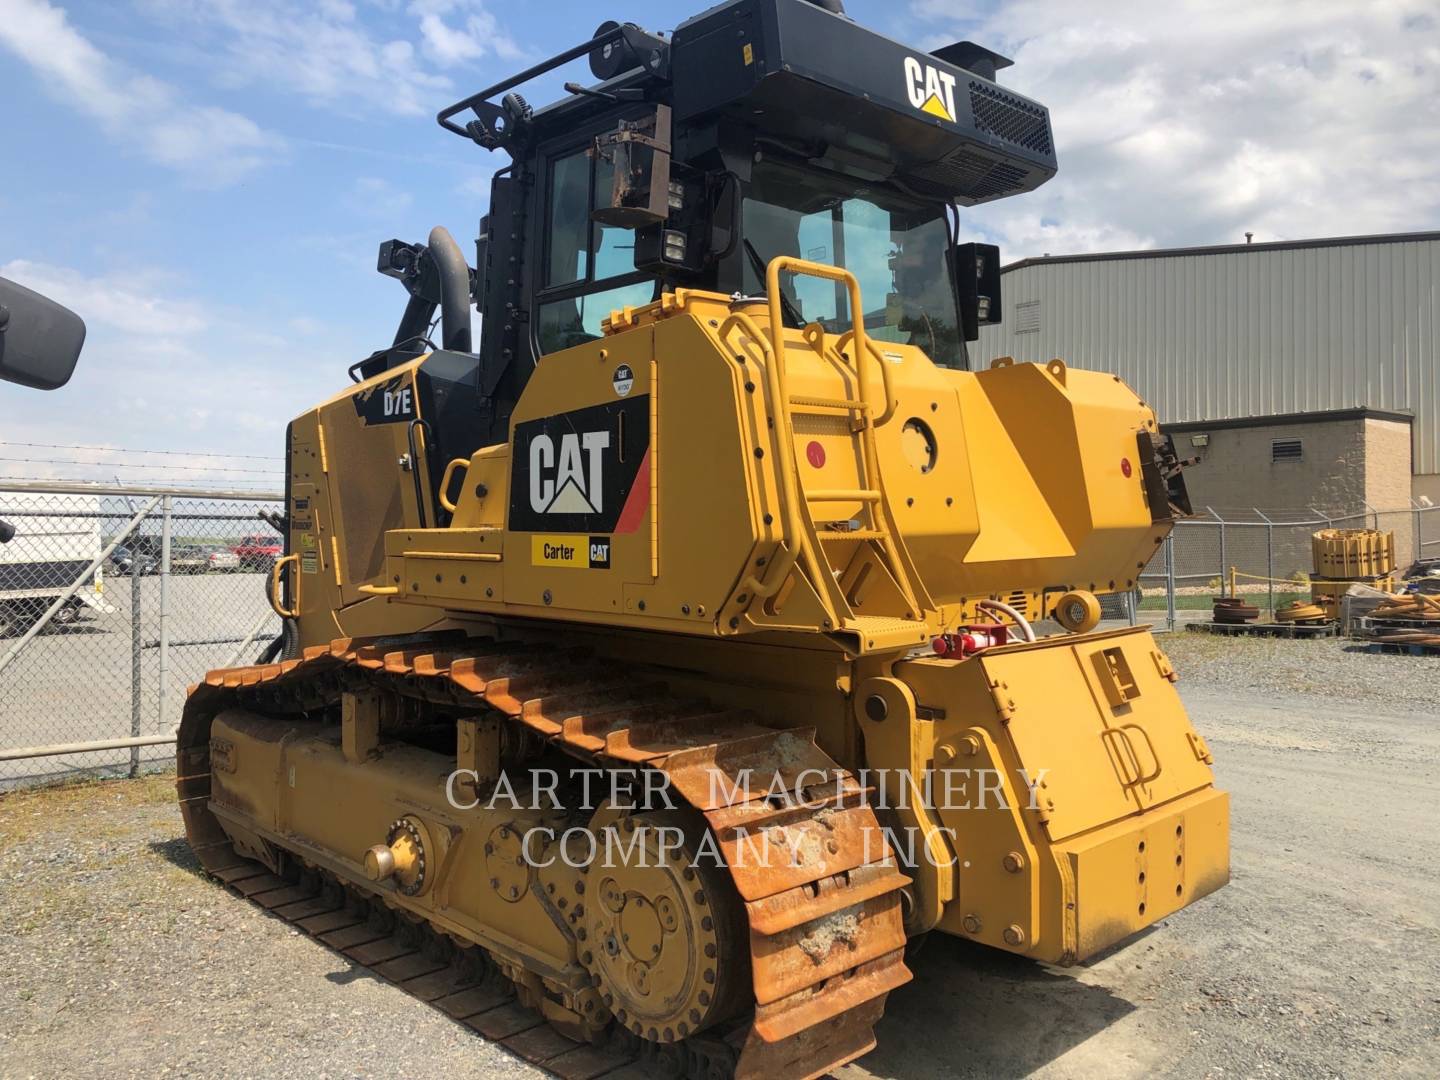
(1256, 335)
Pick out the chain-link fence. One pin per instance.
(112, 602)
(1270, 553)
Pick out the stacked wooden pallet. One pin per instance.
(1408, 623)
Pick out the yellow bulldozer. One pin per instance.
(653, 672)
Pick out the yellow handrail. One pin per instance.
(790, 527)
(455, 463)
(797, 543)
(841, 342)
(863, 349)
(275, 604)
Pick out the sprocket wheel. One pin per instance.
(663, 931)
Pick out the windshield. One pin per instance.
(898, 251)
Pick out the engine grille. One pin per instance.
(1010, 118)
(972, 175)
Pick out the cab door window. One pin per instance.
(569, 250)
(589, 268)
(576, 320)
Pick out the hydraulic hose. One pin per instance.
(1026, 631)
(285, 646)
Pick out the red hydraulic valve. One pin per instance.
(969, 640)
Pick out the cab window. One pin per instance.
(569, 252)
(564, 323)
(897, 249)
(589, 268)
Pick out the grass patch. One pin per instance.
(1204, 601)
(96, 836)
(30, 812)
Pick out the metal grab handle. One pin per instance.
(1154, 756)
(1122, 733)
(275, 603)
(445, 481)
(863, 349)
(424, 425)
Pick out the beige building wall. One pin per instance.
(1389, 483)
(1348, 463)
(1426, 487)
(1244, 330)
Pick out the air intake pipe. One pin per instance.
(454, 290)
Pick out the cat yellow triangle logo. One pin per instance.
(930, 89)
(935, 107)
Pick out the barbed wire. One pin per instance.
(143, 465)
(125, 450)
(101, 482)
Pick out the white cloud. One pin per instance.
(121, 303)
(473, 34)
(209, 145)
(477, 183)
(1192, 122)
(332, 57)
(162, 370)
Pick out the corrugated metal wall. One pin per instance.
(1257, 332)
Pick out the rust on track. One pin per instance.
(825, 927)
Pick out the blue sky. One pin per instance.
(207, 181)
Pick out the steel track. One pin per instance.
(816, 999)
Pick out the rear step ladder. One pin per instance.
(802, 541)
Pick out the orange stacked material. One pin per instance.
(1353, 554)
(1413, 619)
(1345, 557)
(1412, 606)
(1297, 611)
(1410, 619)
(1232, 610)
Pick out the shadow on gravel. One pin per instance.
(178, 852)
(353, 972)
(974, 1011)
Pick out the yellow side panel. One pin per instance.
(1015, 520)
(1129, 877)
(1124, 826)
(1056, 731)
(1097, 714)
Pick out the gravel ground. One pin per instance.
(1254, 667)
(1322, 958)
(126, 962)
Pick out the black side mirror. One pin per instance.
(40, 341)
(977, 286)
(639, 152)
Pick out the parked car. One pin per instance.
(221, 559)
(188, 559)
(198, 559)
(124, 560)
(258, 552)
